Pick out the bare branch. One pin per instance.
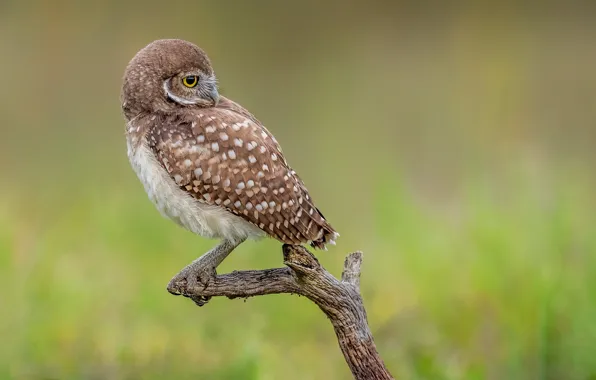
(351, 272)
(304, 275)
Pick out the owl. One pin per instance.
(207, 163)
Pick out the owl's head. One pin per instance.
(168, 74)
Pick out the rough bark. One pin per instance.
(303, 275)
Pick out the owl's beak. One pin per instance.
(214, 95)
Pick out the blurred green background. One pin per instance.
(452, 143)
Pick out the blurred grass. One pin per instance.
(500, 289)
(453, 144)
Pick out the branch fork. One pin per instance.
(304, 275)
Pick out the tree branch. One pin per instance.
(304, 275)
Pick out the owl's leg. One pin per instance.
(202, 270)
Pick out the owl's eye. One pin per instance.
(190, 81)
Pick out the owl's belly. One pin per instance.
(174, 203)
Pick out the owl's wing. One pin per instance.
(225, 157)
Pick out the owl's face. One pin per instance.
(192, 88)
(167, 75)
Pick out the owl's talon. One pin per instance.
(200, 300)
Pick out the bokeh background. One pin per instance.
(452, 143)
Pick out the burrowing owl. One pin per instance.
(206, 162)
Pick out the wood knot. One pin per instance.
(298, 256)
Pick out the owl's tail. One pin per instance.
(328, 235)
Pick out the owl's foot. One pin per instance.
(193, 276)
(201, 272)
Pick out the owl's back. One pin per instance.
(218, 172)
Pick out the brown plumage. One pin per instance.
(213, 149)
(207, 163)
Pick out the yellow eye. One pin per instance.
(190, 81)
